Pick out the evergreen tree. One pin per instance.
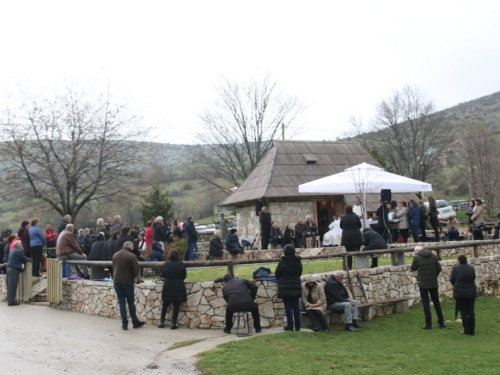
(156, 204)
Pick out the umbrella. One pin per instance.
(363, 179)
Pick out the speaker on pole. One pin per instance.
(386, 195)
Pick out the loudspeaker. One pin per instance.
(258, 207)
(386, 195)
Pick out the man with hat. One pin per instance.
(240, 296)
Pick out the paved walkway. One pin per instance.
(44, 340)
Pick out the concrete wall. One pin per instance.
(282, 212)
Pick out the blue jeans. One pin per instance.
(292, 310)
(453, 235)
(414, 232)
(192, 248)
(125, 294)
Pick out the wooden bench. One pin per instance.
(367, 310)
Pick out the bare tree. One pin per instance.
(240, 127)
(410, 135)
(480, 145)
(69, 150)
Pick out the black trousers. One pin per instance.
(36, 254)
(255, 316)
(164, 309)
(316, 316)
(434, 225)
(265, 238)
(349, 249)
(466, 307)
(424, 295)
(423, 227)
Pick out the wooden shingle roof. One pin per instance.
(291, 163)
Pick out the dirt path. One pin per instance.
(43, 340)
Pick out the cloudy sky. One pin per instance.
(166, 57)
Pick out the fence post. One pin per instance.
(230, 268)
(344, 263)
(394, 261)
(476, 252)
(438, 254)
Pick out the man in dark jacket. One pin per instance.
(265, 227)
(116, 224)
(159, 233)
(428, 267)
(233, 243)
(100, 227)
(373, 241)
(192, 238)
(125, 270)
(310, 229)
(217, 251)
(337, 299)
(276, 237)
(383, 220)
(62, 226)
(15, 265)
(240, 296)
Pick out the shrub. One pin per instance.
(180, 245)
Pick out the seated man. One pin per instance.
(233, 244)
(240, 295)
(68, 248)
(157, 252)
(453, 227)
(276, 237)
(310, 229)
(298, 233)
(217, 251)
(337, 299)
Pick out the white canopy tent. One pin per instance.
(363, 179)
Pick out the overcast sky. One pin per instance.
(167, 57)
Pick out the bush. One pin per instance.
(180, 245)
(187, 186)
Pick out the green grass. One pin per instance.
(246, 272)
(394, 344)
(182, 344)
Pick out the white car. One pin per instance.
(445, 210)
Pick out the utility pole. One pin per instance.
(283, 130)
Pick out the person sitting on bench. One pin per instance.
(240, 296)
(276, 237)
(233, 244)
(310, 229)
(337, 299)
(217, 251)
(314, 301)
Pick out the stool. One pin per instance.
(245, 317)
(309, 242)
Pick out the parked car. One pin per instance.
(205, 229)
(445, 210)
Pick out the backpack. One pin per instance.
(261, 272)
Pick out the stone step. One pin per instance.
(45, 304)
(40, 297)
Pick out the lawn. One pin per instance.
(246, 272)
(394, 344)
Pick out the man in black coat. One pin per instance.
(265, 227)
(240, 295)
(383, 220)
(463, 277)
(62, 226)
(217, 251)
(310, 229)
(428, 267)
(192, 238)
(338, 299)
(159, 233)
(351, 234)
(373, 241)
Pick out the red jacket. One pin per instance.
(50, 236)
(148, 236)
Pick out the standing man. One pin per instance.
(265, 227)
(125, 270)
(358, 209)
(240, 296)
(116, 224)
(428, 267)
(15, 265)
(68, 248)
(383, 220)
(192, 238)
(310, 230)
(101, 227)
(159, 233)
(62, 226)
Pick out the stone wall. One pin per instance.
(282, 212)
(205, 307)
(3, 288)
